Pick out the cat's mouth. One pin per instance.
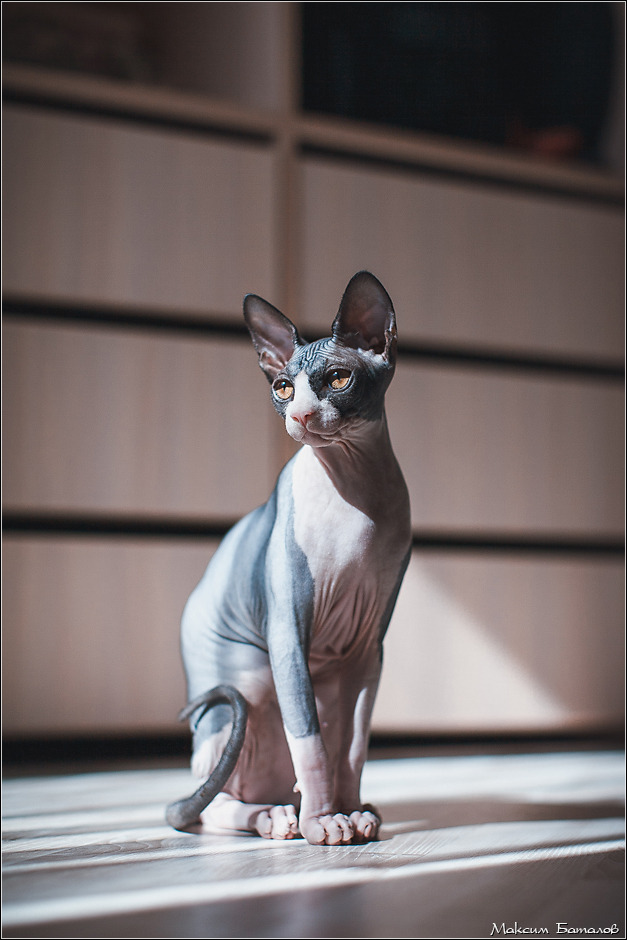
(308, 435)
(317, 436)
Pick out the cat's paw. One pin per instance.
(277, 822)
(328, 829)
(365, 823)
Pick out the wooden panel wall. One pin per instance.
(136, 417)
(113, 419)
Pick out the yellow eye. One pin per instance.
(339, 379)
(283, 390)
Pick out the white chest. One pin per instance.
(348, 560)
(332, 533)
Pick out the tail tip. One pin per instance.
(178, 817)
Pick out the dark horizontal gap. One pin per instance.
(45, 751)
(557, 366)
(60, 524)
(381, 744)
(65, 524)
(216, 326)
(60, 748)
(493, 180)
(200, 126)
(113, 318)
(532, 544)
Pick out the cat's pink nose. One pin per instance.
(302, 418)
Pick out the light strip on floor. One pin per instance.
(102, 905)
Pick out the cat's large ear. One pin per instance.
(274, 336)
(366, 318)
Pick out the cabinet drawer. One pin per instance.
(504, 644)
(91, 633)
(102, 420)
(97, 211)
(491, 450)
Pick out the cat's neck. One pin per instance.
(363, 468)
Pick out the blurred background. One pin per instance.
(160, 161)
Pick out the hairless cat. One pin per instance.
(282, 639)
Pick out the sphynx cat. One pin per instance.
(282, 639)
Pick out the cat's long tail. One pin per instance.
(184, 813)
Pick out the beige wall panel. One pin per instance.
(504, 644)
(106, 212)
(114, 421)
(91, 633)
(464, 263)
(492, 450)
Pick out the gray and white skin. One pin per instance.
(289, 619)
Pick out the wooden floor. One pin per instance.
(472, 846)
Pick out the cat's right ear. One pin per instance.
(274, 336)
(366, 318)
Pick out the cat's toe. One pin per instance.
(345, 828)
(328, 830)
(277, 822)
(365, 824)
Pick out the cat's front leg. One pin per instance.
(358, 688)
(319, 822)
(287, 635)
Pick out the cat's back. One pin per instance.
(230, 597)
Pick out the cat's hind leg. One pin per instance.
(259, 797)
(227, 814)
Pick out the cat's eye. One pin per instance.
(339, 379)
(283, 390)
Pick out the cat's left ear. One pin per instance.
(274, 336)
(366, 318)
